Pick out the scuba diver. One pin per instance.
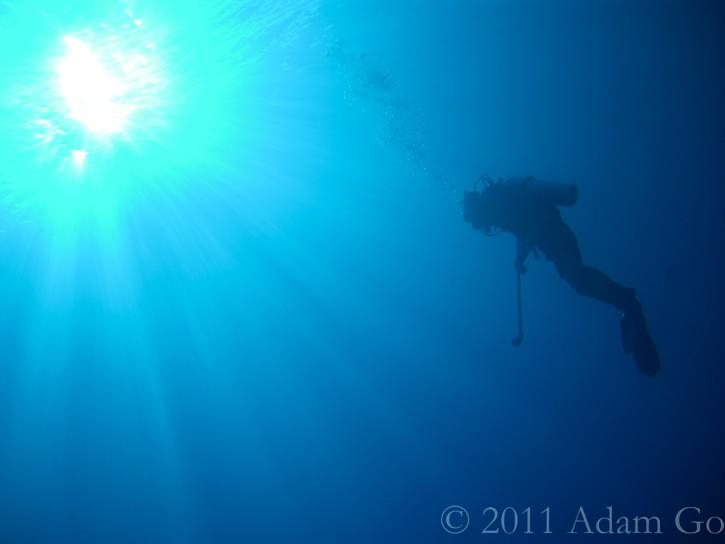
(528, 208)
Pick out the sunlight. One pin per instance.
(91, 92)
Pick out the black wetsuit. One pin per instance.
(538, 225)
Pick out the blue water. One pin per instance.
(256, 315)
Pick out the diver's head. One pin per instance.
(477, 210)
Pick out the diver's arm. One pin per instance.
(522, 252)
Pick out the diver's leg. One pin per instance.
(587, 281)
(636, 338)
(562, 248)
(590, 282)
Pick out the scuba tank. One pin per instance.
(553, 192)
(479, 205)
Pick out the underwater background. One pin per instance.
(243, 306)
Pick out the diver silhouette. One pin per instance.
(528, 208)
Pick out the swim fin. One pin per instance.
(637, 341)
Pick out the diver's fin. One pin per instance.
(646, 357)
(637, 341)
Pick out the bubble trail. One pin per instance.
(370, 87)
